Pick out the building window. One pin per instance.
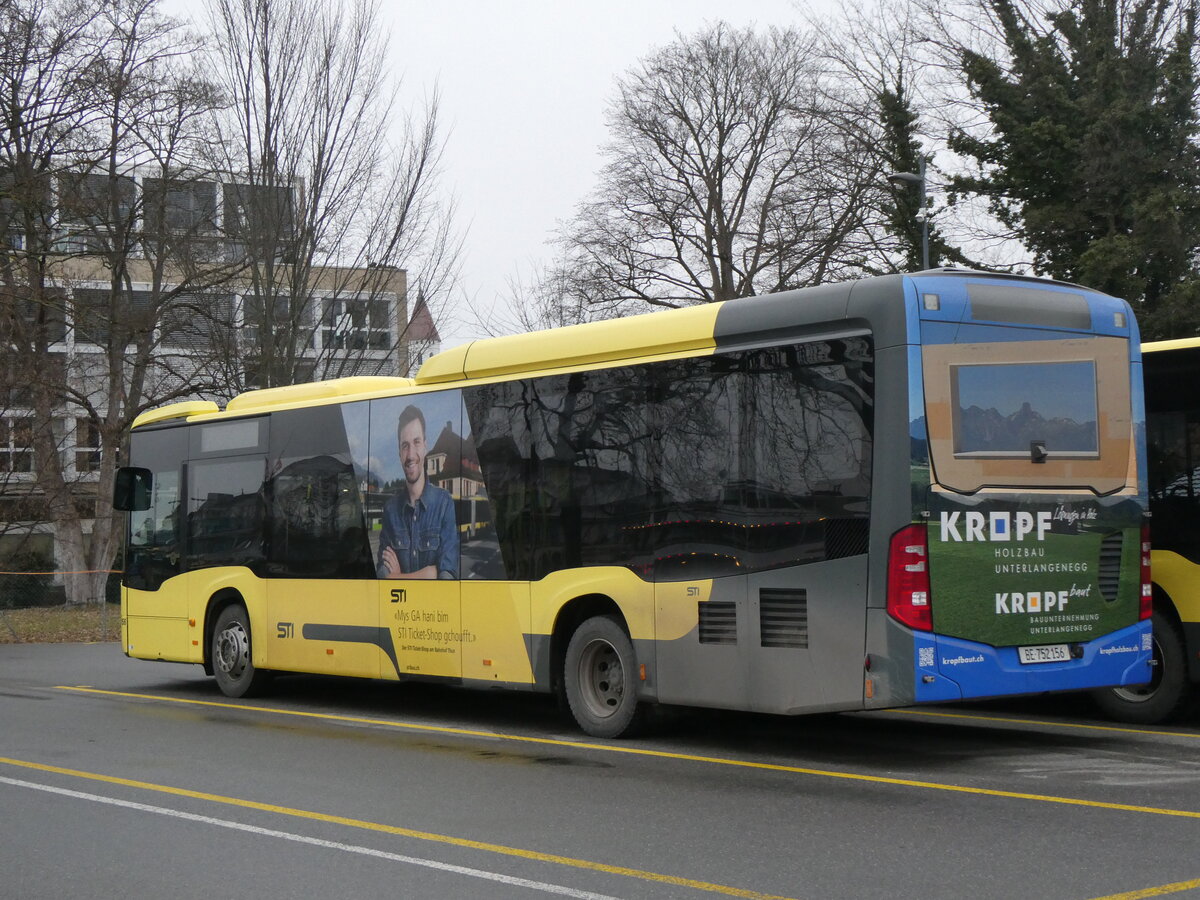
(180, 206)
(20, 376)
(197, 321)
(356, 323)
(261, 375)
(260, 221)
(87, 445)
(87, 205)
(23, 196)
(96, 311)
(16, 444)
(289, 320)
(43, 317)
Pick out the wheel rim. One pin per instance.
(232, 654)
(601, 679)
(1143, 692)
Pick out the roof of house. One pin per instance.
(421, 326)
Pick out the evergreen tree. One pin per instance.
(901, 152)
(1092, 158)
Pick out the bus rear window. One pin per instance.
(1001, 410)
(1044, 413)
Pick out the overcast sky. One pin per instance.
(524, 85)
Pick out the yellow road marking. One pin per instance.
(659, 754)
(1161, 891)
(378, 827)
(1050, 723)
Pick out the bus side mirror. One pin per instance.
(132, 489)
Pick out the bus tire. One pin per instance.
(1167, 696)
(232, 655)
(599, 678)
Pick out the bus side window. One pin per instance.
(226, 512)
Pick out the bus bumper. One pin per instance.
(954, 669)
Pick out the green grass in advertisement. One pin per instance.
(1009, 593)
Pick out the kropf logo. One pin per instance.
(1031, 602)
(997, 526)
(1038, 601)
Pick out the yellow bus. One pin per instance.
(846, 497)
(1171, 373)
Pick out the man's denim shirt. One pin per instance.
(424, 535)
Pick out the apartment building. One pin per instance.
(214, 272)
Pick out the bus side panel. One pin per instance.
(563, 594)
(899, 481)
(892, 652)
(703, 664)
(495, 620)
(203, 585)
(782, 641)
(424, 618)
(818, 665)
(1179, 577)
(324, 626)
(156, 622)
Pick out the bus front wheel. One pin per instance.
(1166, 696)
(232, 655)
(599, 678)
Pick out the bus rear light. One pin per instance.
(908, 578)
(1146, 607)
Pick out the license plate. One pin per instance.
(1044, 653)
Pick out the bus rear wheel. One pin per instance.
(599, 679)
(1168, 694)
(232, 655)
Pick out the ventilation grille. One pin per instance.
(718, 623)
(1110, 564)
(783, 618)
(846, 537)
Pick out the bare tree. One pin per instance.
(99, 100)
(41, 54)
(727, 175)
(880, 65)
(332, 206)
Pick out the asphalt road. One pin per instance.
(121, 778)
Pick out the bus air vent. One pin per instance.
(783, 618)
(1110, 564)
(718, 623)
(846, 537)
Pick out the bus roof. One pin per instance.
(868, 303)
(1178, 344)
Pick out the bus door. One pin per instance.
(156, 605)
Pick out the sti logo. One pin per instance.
(997, 526)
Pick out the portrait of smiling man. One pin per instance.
(419, 538)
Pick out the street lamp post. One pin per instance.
(907, 179)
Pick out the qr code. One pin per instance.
(925, 657)
(1147, 642)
